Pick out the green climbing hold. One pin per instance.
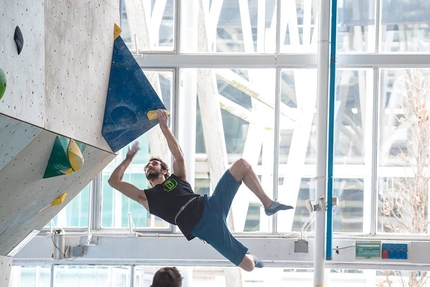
(59, 162)
(2, 83)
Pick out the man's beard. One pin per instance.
(154, 174)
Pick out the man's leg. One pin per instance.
(247, 263)
(242, 171)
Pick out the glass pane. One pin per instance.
(352, 116)
(242, 127)
(303, 219)
(74, 214)
(298, 22)
(386, 278)
(30, 276)
(404, 151)
(148, 25)
(297, 146)
(91, 276)
(117, 207)
(348, 215)
(356, 26)
(405, 26)
(216, 277)
(228, 26)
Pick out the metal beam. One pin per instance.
(299, 61)
(274, 250)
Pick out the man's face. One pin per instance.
(153, 169)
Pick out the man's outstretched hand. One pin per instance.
(133, 150)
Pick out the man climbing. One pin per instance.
(172, 199)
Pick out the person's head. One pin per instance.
(167, 277)
(156, 167)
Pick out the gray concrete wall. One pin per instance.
(78, 54)
(60, 79)
(5, 268)
(25, 92)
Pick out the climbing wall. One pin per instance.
(56, 58)
(24, 97)
(59, 80)
(78, 48)
(130, 100)
(25, 196)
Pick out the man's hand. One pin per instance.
(178, 163)
(134, 148)
(162, 118)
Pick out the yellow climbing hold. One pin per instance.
(75, 156)
(117, 31)
(59, 199)
(152, 115)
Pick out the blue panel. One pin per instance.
(395, 250)
(130, 96)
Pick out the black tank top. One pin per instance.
(166, 199)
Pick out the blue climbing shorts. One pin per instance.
(212, 227)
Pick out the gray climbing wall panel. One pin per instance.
(10, 131)
(24, 192)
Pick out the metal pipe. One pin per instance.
(277, 118)
(322, 82)
(276, 145)
(59, 245)
(375, 142)
(133, 276)
(331, 116)
(120, 12)
(52, 278)
(90, 209)
(185, 94)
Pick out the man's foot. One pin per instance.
(275, 207)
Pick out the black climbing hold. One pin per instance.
(19, 40)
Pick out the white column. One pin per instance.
(321, 168)
(186, 88)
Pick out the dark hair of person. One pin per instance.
(164, 165)
(167, 277)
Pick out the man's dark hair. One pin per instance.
(167, 277)
(164, 165)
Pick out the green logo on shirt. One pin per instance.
(170, 184)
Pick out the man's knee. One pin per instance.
(239, 168)
(242, 164)
(247, 263)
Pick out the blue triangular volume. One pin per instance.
(130, 96)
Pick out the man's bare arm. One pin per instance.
(126, 188)
(178, 156)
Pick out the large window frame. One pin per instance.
(370, 58)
